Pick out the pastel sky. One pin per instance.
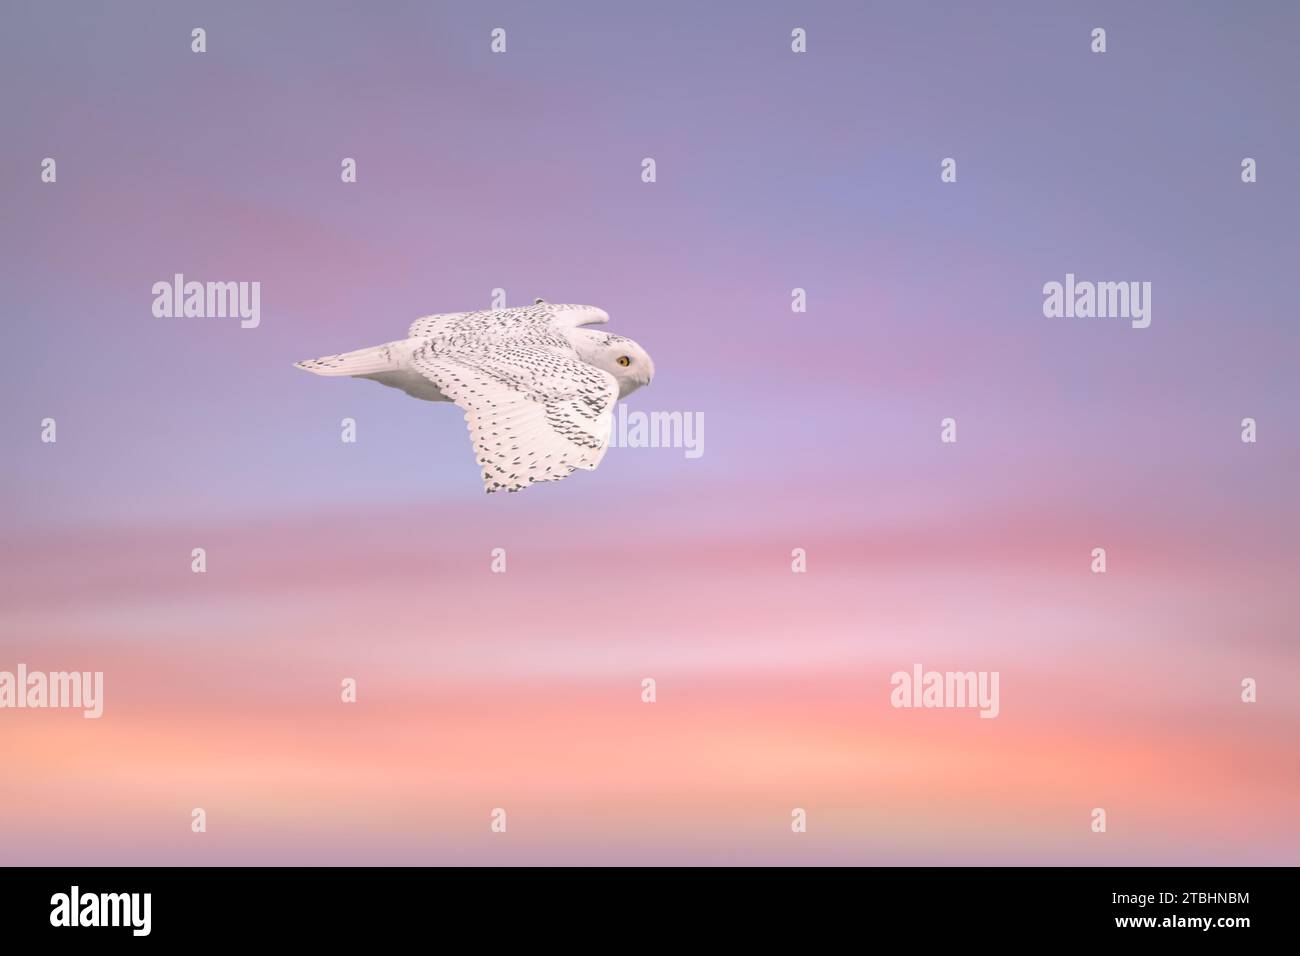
(522, 690)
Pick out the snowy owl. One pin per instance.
(538, 391)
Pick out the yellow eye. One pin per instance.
(624, 361)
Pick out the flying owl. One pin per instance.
(538, 390)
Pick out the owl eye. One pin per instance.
(624, 361)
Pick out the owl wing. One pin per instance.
(535, 413)
(506, 323)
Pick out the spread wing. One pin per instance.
(535, 412)
(507, 323)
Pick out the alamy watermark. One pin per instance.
(922, 688)
(658, 430)
(1100, 300)
(208, 300)
(75, 908)
(73, 690)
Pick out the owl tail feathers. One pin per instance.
(360, 362)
